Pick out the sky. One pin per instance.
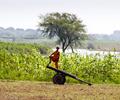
(99, 16)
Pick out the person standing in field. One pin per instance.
(54, 57)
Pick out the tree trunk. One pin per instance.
(63, 47)
(72, 48)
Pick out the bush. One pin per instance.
(18, 65)
(90, 46)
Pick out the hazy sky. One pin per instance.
(99, 16)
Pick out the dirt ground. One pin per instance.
(25, 90)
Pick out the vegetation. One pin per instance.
(103, 45)
(67, 27)
(24, 62)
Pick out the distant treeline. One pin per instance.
(105, 37)
(13, 34)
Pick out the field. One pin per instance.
(24, 75)
(106, 45)
(26, 90)
(27, 62)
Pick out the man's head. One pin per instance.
(57, 48)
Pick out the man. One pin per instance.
(54, 57)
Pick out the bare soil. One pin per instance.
(27, 90)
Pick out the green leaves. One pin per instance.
(95, 69)
(32, 66)
(67, 27)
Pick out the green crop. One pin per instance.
(25, 62)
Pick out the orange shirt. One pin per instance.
(55, 56)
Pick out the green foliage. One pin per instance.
(21, 61)
(67, 27)
(93, 68)
(19, 64)
(22, 48)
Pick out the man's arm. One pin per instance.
(52, 54)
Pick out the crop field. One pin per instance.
(25, 62)
(24, 75)
(25, 90)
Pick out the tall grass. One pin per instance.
(30, 64)
(93, 68)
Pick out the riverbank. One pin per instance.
(89, 52)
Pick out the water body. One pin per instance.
(89, 52)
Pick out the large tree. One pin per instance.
(67, 27)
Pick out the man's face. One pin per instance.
(57, 48)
